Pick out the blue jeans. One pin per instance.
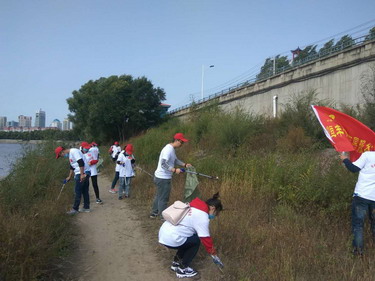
(124, 186)
(360, 208)
(81, 189)
(163, 189)
(187, 251)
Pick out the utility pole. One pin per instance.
(274, 65)
(202, 86)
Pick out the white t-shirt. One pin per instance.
(115, 150)
(196, 221)
(74, 155)
(365, 186)
(168, 153)
(91, 155)
(95, 152)
(118, 166)
(126, 169)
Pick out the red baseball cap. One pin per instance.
(180, 136)
(129, 149)
(116, 142)
(58, 151)
(85, 145)
(94, 143)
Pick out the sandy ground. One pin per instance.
(112, 244)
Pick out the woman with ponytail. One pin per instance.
(187, 236)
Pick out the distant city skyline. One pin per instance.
(47, 121)
(33, 122)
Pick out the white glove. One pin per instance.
(217, 261)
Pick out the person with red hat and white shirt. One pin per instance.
(92, 156)
(163, 174)
(187, 236)
(81, 170)
(114, 151)
(96, 153)
(126, 173)
(117, 173)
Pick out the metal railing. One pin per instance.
(296, 63)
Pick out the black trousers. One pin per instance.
(115, 179)
(187, 251)
(94, 180)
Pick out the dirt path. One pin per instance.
(112, 244)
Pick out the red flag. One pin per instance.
(345, 132)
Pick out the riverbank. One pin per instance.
(35, 229)
(13, 141)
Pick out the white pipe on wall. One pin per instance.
(274, 103)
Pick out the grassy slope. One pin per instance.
(287, 197)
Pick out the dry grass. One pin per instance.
(34, 227)
(260, 239)
(287, 211)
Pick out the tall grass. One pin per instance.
(34, 227)
(285, 192)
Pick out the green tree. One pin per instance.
(268, 70)
(345, 42)
(371, 34)
(116, 107)
(327, 47)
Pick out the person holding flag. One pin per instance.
(363, 202)
(347, 134)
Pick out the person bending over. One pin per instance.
(187, 236)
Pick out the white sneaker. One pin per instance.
(83, 210)
(72, 212)
(174, 266)
(113, 191)
(186, 272)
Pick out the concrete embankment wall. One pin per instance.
(336, 77)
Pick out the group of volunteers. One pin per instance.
(184, 237)
(124, 169)
(83, 165)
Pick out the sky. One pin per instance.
(50, 48)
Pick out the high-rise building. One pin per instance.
(24, 121)
(56, 124)
(12, 124)
(66, 125)
(40, 119)
(3, 122)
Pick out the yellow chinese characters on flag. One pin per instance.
(345, 132)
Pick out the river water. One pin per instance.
(9, 153)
